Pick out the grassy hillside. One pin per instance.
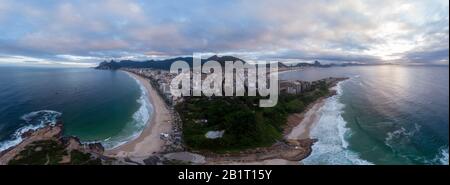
(246, 125)
(51, 152)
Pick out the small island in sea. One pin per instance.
(193, 130)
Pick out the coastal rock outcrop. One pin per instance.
(47, 146)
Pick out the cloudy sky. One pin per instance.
(85, 32)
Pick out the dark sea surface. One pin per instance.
(382, 115)
(94, 105)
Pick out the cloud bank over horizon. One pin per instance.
(83, 33)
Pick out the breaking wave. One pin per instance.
(401, 136)
(133, 129)
(42, 118)
(33, 121)
(331, 132)
(442, 157)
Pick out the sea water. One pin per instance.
(382, 115)
(97, 106)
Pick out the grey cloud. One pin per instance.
(364, 31)
(439, 56)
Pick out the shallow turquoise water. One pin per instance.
(94, 105)
(382, 115)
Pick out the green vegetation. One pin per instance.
(246, 124)
(51, 152)
(47, 152)
(80, 158)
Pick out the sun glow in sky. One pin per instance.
(83, 33)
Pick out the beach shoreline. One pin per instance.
(148, 143)
(150, 148)
(299, 125)
(297, 129)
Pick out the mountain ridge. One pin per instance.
(166, 63)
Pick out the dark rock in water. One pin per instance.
(96, 148)
(73, 142)
(27, 134)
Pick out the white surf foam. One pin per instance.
(442, 157)
(133, 129)
(332, 133)
(34, 121)
(401, 136)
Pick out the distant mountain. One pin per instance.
(161, 64)
(165, 64)
(281, 65)
(157, 64)
(223, 59)
(315, 64)
(343, 64)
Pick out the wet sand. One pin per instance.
(148, 142)
(305, 122)
(298, 127)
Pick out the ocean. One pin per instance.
(97, 106)
(382, 115)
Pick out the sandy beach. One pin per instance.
(298, 128)
(304, 121)
(148, 142)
